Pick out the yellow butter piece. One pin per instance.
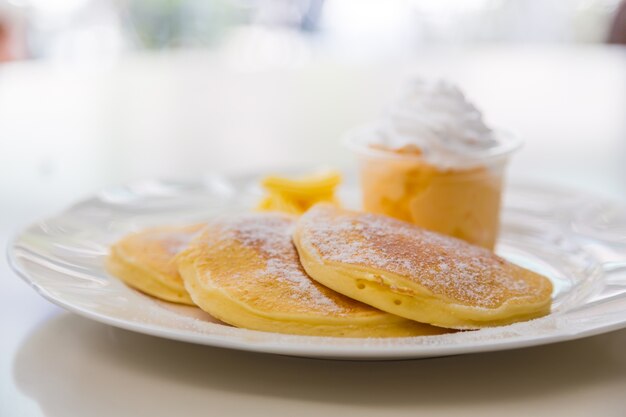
(297, 195)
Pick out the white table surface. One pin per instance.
(67, 130)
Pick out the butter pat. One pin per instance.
(295, 195)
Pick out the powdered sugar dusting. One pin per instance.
(446, 266)
(270, 235)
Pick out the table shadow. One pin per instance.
(74, 366)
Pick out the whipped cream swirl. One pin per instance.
(436, 118)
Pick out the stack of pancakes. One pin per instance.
(330, 272)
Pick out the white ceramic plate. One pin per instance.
(577, 240)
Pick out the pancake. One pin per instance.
(244, 270)
(406, 270)
(145, 261)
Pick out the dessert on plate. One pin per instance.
(414, 273)
(145, 261)
(245, 271)
(431, 160)
(417, 262)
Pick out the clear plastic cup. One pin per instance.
(461, 198)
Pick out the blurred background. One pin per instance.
(99, 92)
(283, 32)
